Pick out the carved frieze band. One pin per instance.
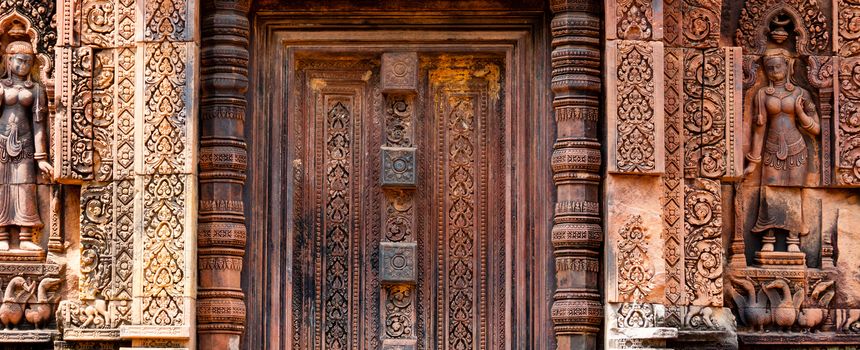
(673, 187)
(576, 83)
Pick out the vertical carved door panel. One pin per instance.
(341, 211)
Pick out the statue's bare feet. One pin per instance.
(29, 246)
(26, 237)
(767, 247)
(4, 245)
(794, 247)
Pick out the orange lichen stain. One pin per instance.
(317, 84)
(456, 72)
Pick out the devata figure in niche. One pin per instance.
(22, 146)
(784, 124)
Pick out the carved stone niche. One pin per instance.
(784, 147)
(799, 24)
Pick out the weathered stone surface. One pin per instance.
(430, 174)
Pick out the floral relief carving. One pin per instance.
(166, 19)
(635, 269)
(166, 113)
(103, 114)
(636, 315)
(848, 130)
(461, 124)
(98, 17)
(849, 27)
(701, 23)
(338, 215)
(399, 312)
(703, 249)
(163, 259)
(73, 130)
(96, 232)
(710, 142)
(636, 108)
(634, 19)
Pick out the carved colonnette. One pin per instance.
(577, 233)
(221, 232)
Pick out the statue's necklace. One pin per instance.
(789, 89)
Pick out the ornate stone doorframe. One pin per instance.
(518, 35)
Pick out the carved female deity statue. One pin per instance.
(784, 119)
(22, 146)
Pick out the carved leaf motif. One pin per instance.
(849, 27)
(98, 23)
(848, 130)
(165, 19)
(399, 310)
(164, 250)
(166, 113)
(338, 223)
(634, 19)
(636, 125)
(461, 221)
(635, 269)
(703, 252)
(701, 23)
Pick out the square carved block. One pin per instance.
(398, 167)
(399, 72)
(398, 344)
(397, 262)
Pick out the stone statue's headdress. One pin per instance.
(775, 53)
(778, 52)
(19, 47)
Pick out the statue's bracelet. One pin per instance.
(40, 156)
(752, 159)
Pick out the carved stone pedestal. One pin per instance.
(791, 260)
(18, 255)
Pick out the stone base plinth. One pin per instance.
(781, 259)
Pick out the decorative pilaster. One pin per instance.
(223, 161)
(577, 231)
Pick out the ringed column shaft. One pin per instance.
(223, 164)
(577, 235)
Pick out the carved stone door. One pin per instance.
(398, 232)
